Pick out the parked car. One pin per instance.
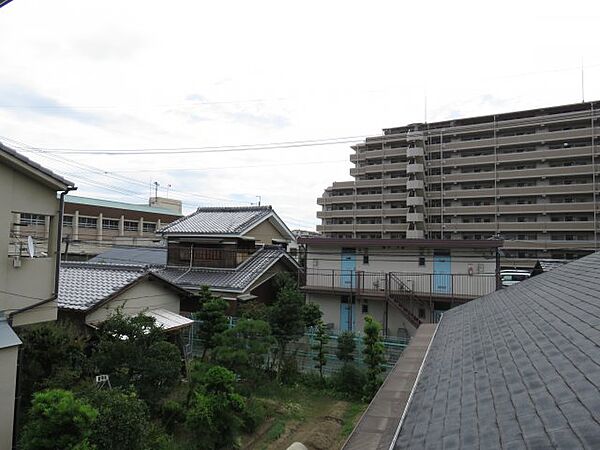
(513, 276)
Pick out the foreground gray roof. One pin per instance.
(220, 221)
(519, 368)
(8, 337)
(84, 285)
(238, 279)
(133, 255)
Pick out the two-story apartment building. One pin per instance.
(29, 271)
(236, 251)
(402, 283)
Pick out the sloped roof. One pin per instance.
(84, 285)
(238, 279)
(133, 255)
(8, 337)
(168, 320)
(232, 221)
(45, 175)
(518, 368)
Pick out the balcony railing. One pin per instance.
(378, 284)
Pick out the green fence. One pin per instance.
(304, 353)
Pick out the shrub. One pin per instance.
(346, 345)
(122, 422)
(350, 381)
(57, 420)
(172, 413)
(374, 353)
(253, 416)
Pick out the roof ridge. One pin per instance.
(101, 265)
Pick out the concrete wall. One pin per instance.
(35, 278)
(148, 294)
(8, 383)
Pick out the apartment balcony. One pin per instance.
(336, 227)
(415, 234)
(336, 199)
(415, 217)
(414, 168)
(415, 201)
(414, 152)
(415, 184)
(379, 285)
(412, 136)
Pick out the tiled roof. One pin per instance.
(519, 368)
(132, 255)
(219, 221)
(76, 200)
(83, 285)
(34, 165)
(238, 279)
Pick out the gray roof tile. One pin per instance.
(529, 354)
(83, 285)
(219, 221)
(238, 279)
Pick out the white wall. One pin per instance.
(148, 294)
(8, 383)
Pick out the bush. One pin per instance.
(173, 413)
(288, 372)
(350, 381)
(253, 416)
(57, 420)
(122, 422)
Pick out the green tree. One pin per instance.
(53, 357)
(311, 314)
(123, 420)
(374, 353)
(321, 339)
(57, 420)
(213, 319)
(214, 416)
(134, 352)
(245, 348)
(346, 345)
(286, 316)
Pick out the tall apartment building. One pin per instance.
(528, 177)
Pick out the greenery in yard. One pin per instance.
(123, 420)
(374, 353)
(213, 319)
(134, 351)
(346, 346)
(311, 314)
(321, 339)
(215, 413)
(58, 420)
(286, 317)
(245, 348)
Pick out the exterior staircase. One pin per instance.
(402, 298)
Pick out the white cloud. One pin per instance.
(150, 74)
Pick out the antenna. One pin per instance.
(582, 84)
(30, 247)
(168, 187)
(156, 185)
(259, 199)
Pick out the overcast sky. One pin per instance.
(147, 74)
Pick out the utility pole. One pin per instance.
(156, 184)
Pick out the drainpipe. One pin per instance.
(35, 305)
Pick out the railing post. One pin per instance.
(333, 279)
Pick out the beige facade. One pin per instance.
(529, 177)
(29, 267)
(144, 296)
(401, 283)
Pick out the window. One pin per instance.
(421, 260)
(366, 256)
(68, 221)
(88, 222)
(365, 307)
(110, 224)
(32, 219)
(149, 227)
(130, 225)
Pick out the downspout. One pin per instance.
(191, 262)
(16, 413)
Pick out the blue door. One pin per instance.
(442, 278)
(347, 314)
(348, 268)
